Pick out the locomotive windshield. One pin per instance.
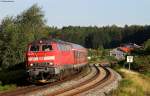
(34, 48)
(46, 48)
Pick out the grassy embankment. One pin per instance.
(132, 84)
(137, 82)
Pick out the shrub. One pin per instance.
(9, 77)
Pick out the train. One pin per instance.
(51, 59)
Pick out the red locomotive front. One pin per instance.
(41, 57)
(49, 58)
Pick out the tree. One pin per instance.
(8, 40)
(147, 45)
(32, 26)
(16, 33)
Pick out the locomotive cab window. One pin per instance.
(46, 48)
(34, 48)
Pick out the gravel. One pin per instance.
(98, 91)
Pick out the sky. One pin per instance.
(84, 12)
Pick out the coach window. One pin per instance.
(60, 47)
(65, 48)
(46, 48)
(34, 48)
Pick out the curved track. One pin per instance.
(96, 80)
(102, 77)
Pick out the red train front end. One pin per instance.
(41, 59)
(50, 59)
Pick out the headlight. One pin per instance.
(51, 63)
(89, 58)
(31, 64)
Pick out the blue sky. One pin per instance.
(84, 12)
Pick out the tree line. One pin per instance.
(16, 32)
(104, 37)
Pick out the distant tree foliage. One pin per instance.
(104, 37)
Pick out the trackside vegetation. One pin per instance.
(133, 84)
(101, 56)
(7, 87)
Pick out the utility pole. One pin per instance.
(129, 65)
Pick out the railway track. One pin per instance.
(97, 76)
(33, 88)
(105, 86)
(97, 80)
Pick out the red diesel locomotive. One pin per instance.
(48, 58)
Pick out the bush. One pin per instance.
(8, 77)
(147, 45)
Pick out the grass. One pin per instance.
(133, 84)
(146, 73)
(7, 87)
